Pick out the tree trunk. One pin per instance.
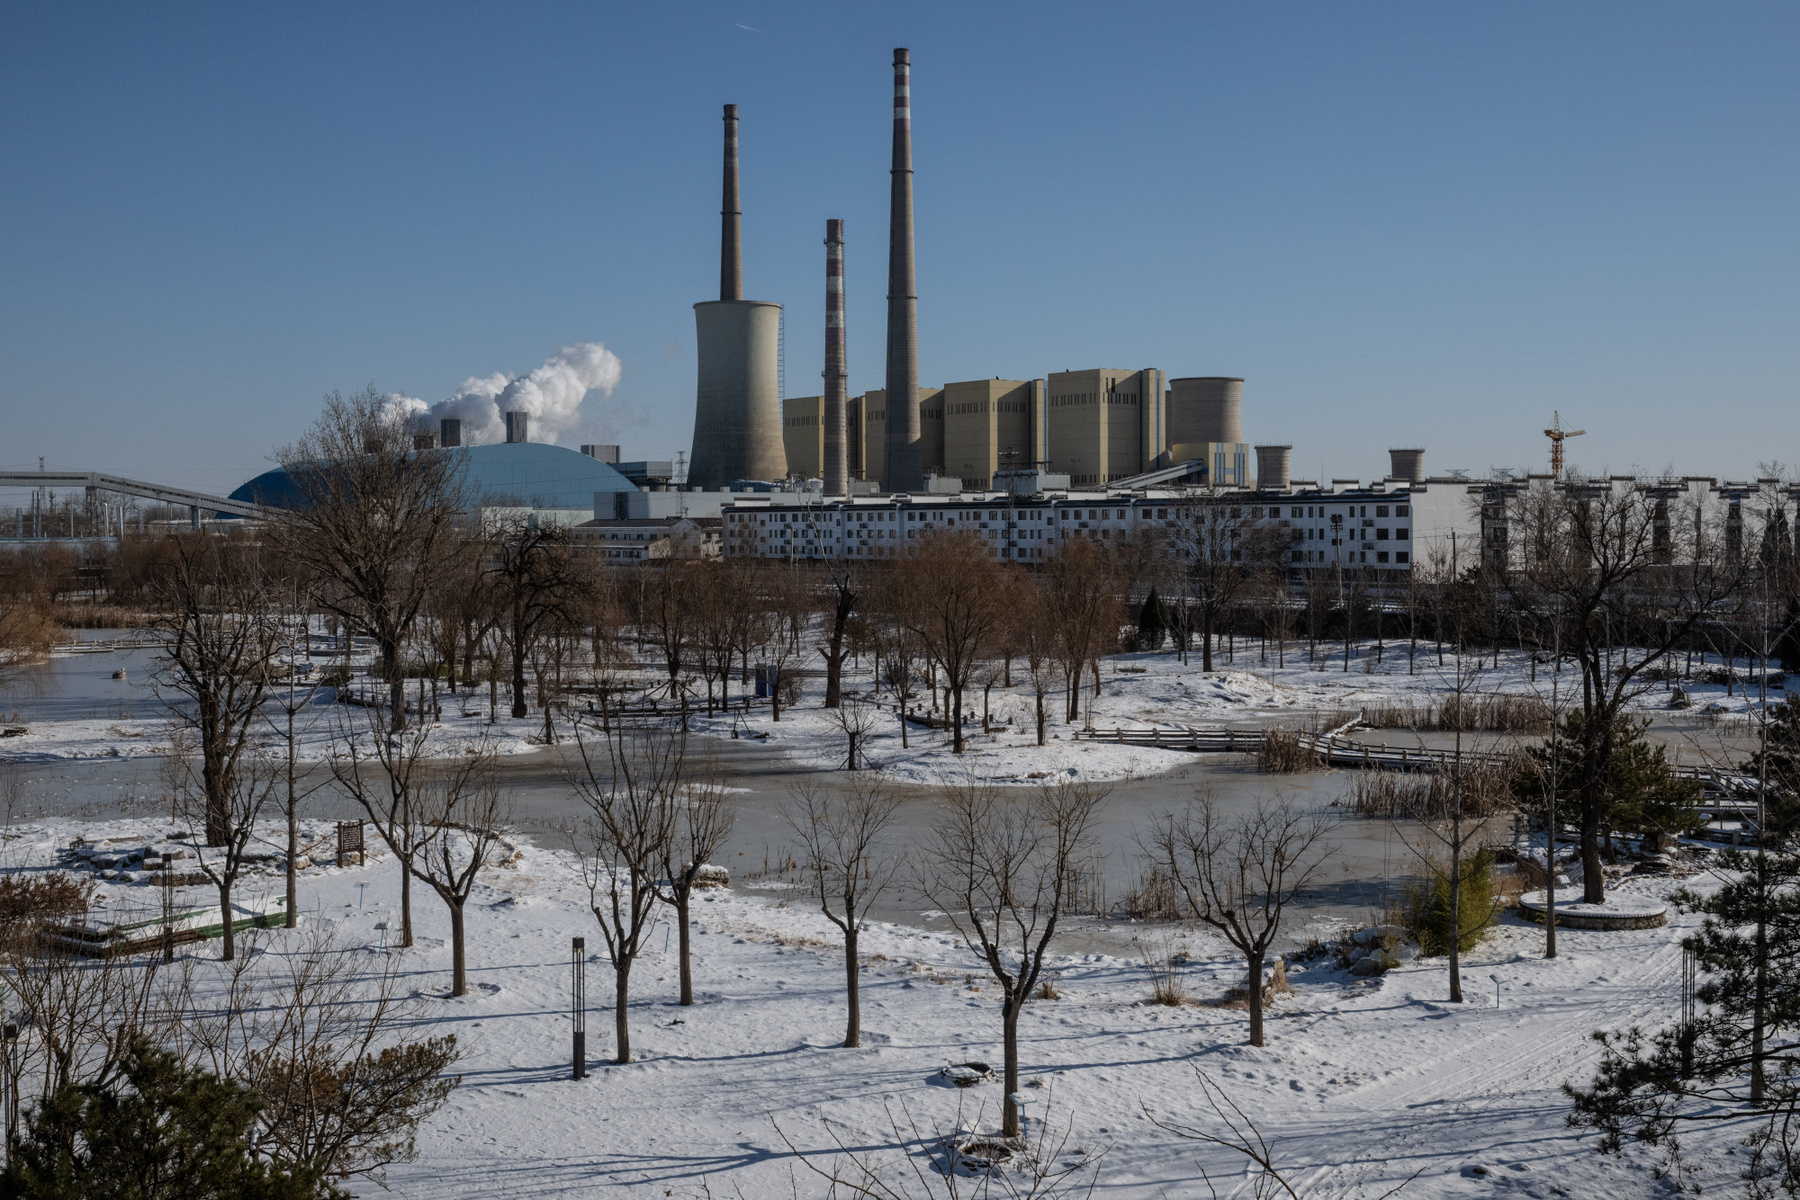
(1593, 881)
(621, 1031)
(1009, 1023)
(853, 1013)
(459, 974)
(683, 899)
(406, 936)
(518, 682)
(1206, 638)
(228, 942)
(1256, 998)
(390, 666)
(956, 703)
(1040, 717)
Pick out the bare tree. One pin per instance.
(295, 622)
(633, 796)
(218, 664)
(844, 852)
(1224, 551)
(375, 522)
(704, 819)
(223, 857)
(844, 591)
(1001, 864)
(1610, 564)
(532, 571)
(458, 813)
(385, 773)
(1239, 873)
(1084, 605)
(954, 603)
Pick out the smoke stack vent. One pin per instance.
(450, 432)
(905, 471)
(606, 454)
(424, 441)
(516, 427)
(731, 227)
(1272, 468)
(836, 468)
(1407, 464)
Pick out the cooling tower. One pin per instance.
(836, 467)
(905, 470)
(1272, 468)
(1407, 464)
(517, 423)
(1206, 409)
(450, 432)
(737, 403)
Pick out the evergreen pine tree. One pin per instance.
(1643, 793)
(158, 1130)
(1781, 808)
(1153, 623)
(1651, 1086)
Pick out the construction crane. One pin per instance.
(1556, 433)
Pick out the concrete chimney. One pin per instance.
(1272, 468)
(836, 468)
(424, 441)
(450, 432)
(1206, 408)
(515, 427)
(606, 454)
(1407, 464)
(731, 218)
(904, 469)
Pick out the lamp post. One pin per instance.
(578, 1003)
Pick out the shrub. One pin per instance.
(1428, 905)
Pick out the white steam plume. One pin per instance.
(551, 394)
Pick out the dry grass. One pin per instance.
(1282, 754)
(1167, 986)
(1154, 897)
(1471, 714)
(1239, 996)
(1486, 792)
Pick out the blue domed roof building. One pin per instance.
(527, 474)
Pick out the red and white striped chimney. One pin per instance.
(836, 467)
(904, 470)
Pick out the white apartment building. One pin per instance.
(1386, 529)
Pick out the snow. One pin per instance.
(1363, 1083)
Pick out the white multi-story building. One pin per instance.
(1383, 528)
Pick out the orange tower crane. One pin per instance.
(1556, 433)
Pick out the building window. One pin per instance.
(1381, 556)
(1381, 510)
(1400, 556)
(1401, 510)
(1381, 535)
(1400, 534)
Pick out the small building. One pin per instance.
(621, 543)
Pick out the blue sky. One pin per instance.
(1419, 224)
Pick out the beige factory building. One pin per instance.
(988, 428)
(1104, 424)
(1096, 426)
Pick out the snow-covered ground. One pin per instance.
(1362, 1083)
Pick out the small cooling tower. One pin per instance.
(1207, 408)
(1272, 468)
(1407, 464)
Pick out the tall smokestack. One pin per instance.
(731, 230)
(904, 471)
(836, 470)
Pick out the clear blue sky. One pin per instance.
(1425, 224)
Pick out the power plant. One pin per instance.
(737, 403)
